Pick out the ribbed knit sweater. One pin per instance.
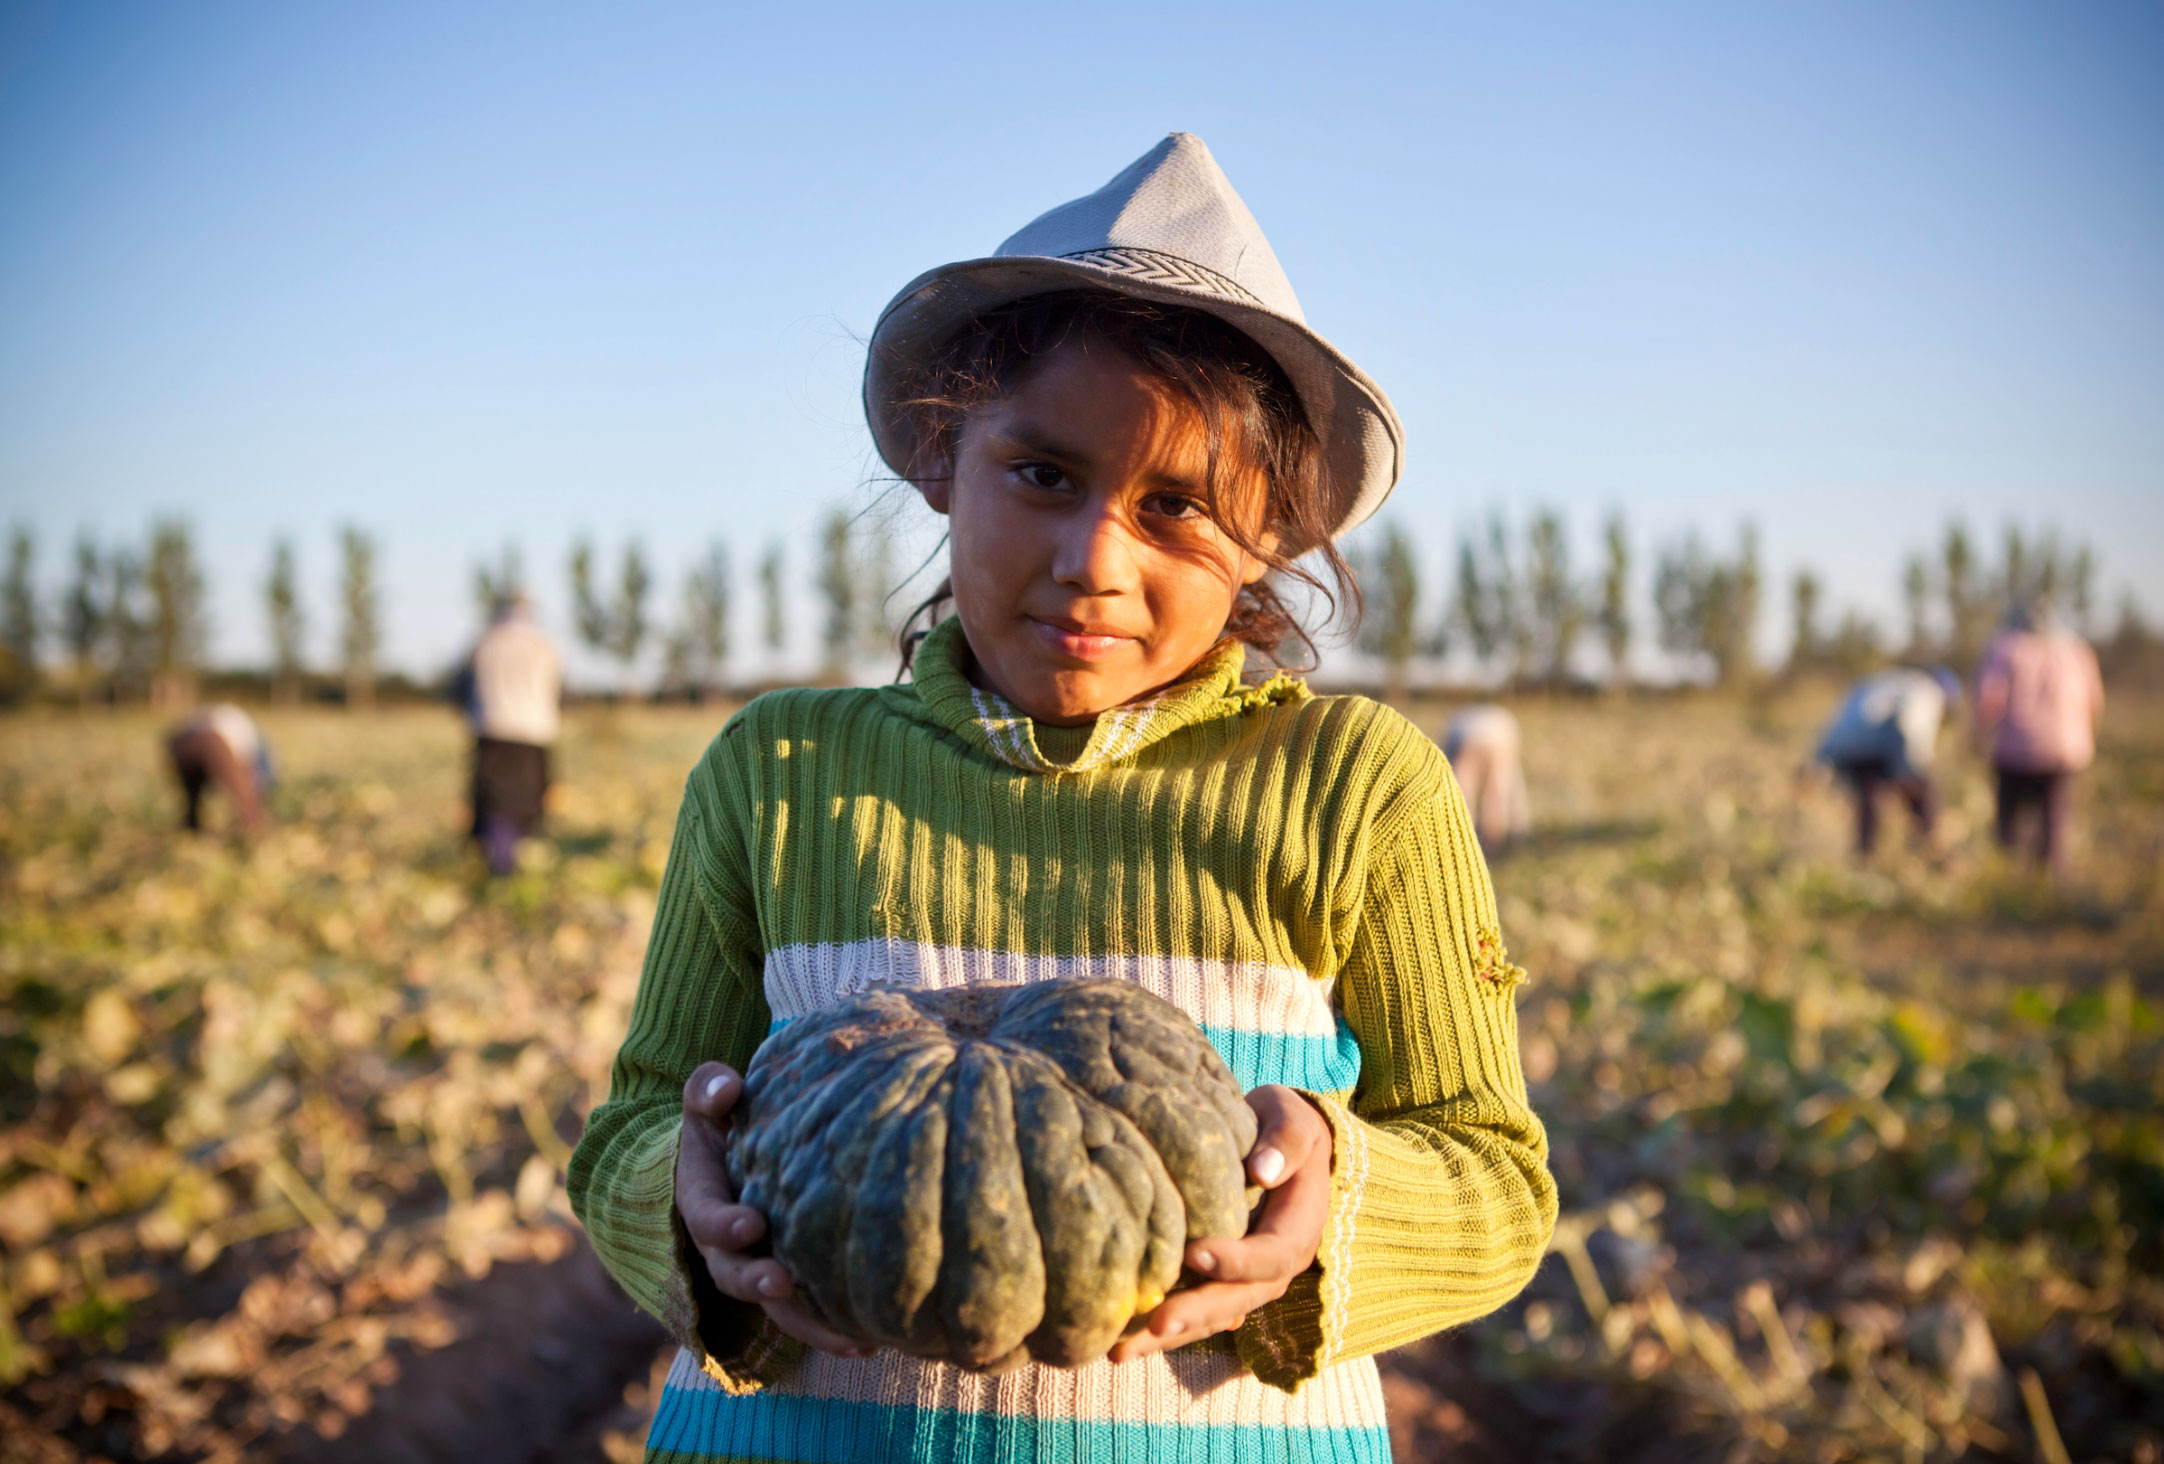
(1297, 873)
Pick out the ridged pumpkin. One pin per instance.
(992, 1173)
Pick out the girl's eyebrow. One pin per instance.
(1031, 437)
(1035, 437)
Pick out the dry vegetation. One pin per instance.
(1857, 1162)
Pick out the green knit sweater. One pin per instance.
(1298, 873)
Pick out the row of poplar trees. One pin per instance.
(1518, 613)
(131, 621)
(853, 575)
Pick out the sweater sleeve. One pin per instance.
(700, 999)
(1441, 1201)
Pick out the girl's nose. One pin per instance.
(1095, 553)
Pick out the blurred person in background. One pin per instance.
(1884, 737)
(1481, 744)
(512, 690)
(221, 746)
(2037, 700)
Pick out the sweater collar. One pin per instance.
(989, 721)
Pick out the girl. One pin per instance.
(1133, 436)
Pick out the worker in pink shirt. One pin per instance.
(2037, 700)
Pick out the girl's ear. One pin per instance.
(932, 474)
(938, 492)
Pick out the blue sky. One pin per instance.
(474, 272)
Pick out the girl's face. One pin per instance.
(1086, 571)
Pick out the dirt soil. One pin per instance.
(550, 1360)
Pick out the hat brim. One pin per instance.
(1363, 443)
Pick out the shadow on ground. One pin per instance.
(550, 1358)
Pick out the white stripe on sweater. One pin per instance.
(1236, 996)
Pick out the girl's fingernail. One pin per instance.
(714, 1087)
(1173, 1329)
(769, 1286)
(740, 1231)
(1205, 1262)
(1268, 1165)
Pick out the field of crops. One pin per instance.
(1857, 1162)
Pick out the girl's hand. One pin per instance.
(722, 1229)
(1291, 1159)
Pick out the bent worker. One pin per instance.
(2037, 700)
(221, 746)
(1885, 736)
(512, 688)
(1481, 745)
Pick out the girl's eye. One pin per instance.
(1176, 506)
(1042, 475)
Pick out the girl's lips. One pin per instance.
(1078, 644)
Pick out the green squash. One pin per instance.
(993, 1173)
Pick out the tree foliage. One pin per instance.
(699, 644)
(773, 619)
(1475, 604)
(876, 627)
(1390, 585)
(1806, 642)
(83, 614)
(1968, 605)
(614, 625)
(2081, 589)
(1916, 602)
(360, 636)
(838, 587)
(628, 622)
(1555, 607)
(589, 611)
(1973, 595)
(1506, 587)
(19, 629)
(179, 628)
(496, 585)
(1708, 606)
(1615, 613)
(287, 621)
(127, 623)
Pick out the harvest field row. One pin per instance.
(1857, 1162)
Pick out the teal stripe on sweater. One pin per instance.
(1317, 1064)
(709, 1424)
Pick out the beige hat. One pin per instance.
(1169, 228)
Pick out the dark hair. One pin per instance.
(1252, 419)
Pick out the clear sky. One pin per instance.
(463, 273)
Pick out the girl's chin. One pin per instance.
(1072, 698)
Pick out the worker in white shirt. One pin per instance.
(512, 690)
(1482, 745)
(1884, 737)
(220, 746)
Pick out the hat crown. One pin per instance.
(1167, 229)
(1172, 206)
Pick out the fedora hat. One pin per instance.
(1169, 228)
